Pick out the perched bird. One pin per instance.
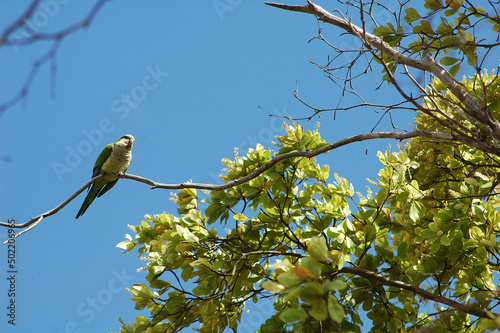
(114, 158)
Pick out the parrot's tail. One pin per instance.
(86, 203)
(82, 210)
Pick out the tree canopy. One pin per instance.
(418, 251)
(427, 234)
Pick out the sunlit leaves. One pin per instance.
(417, 210)
(285, 211)
(389, 33)
(272, 286)
(432, 220)
(335, 310)
(142, 295)
(457, 33)
(317, 249)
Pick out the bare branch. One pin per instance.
(309, 154)
(39, 218)
(19, 22)
(471, 105)
(56, 37)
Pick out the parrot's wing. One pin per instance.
(103, 156)
(107, 187)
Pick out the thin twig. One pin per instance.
(56, 37)
(37, 219)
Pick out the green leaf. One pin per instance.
(426, 28)
(434, 226)
(417, 210)
(382, 196)
(142, 295)
(335, 310)
(284, 264)
(433, 4)
(123, 245)
(402, 249)
(289, 279)
(494, 105)
(311, 292)
(292, 315)
(337, 284)
(176, 301)
(272, 286)
(292, 294)
(319, 310)
(454, 70)
(187, 272)
(435, 247)
(142, 323)
(264, 200)
(477, 233)
(383, 31)
(411, 15)
(427, 233)
(317, 249)
(200, 290)
(480, 9)
(187, 234)
(312, 265)
(445, 240)
(240, 217)
(448, 61)
(160, 284)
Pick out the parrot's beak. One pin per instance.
(130, 142)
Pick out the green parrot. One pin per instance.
(114, 158)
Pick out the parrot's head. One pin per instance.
(126, 142)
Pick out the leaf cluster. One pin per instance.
(461, 30)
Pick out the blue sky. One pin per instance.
(187, 81)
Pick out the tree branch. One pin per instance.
(19, 22)
(471, 105)
(416, 290)
(39, 218)
(275, 160)
(309, 154)
(56, 37)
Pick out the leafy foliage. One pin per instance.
(270, 215)
(453, 39)
(418, 252)
(432, 224)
